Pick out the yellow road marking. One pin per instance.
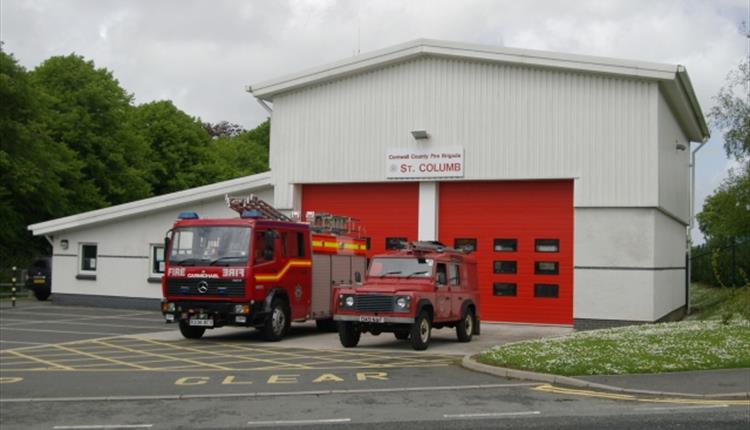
(292, 354)
(39, 360)
(166, 356)
(629, 397)
(100, 357)
(247, 359)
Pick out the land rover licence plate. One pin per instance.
(371, 319)
(195, 322)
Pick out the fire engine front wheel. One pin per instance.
(421, 332)
(190, 332)
(349, 334)
(277, 321)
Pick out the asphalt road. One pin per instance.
(83, 368)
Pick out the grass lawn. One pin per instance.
(709, 303)
(650, 348)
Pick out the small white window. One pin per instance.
(87, 258)
(157, 261)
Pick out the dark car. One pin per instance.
(39, 277)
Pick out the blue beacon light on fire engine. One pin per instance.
(250, 214)
(188, 215)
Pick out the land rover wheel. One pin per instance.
(401, 334)
(465, 327)
(277, 321)
(349, 334)
(190, 332)
(421, 332)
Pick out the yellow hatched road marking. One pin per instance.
(39, 360)
(166, 356)
(248, 359)
(292, 354)
(629, 397)
(100, 357)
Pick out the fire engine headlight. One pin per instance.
(241, 309)
(349, 301)
(402, 303)
(168, 307)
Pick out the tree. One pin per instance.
(88, 113)
(39, 177)
(223, 129)
(179, 147)
(239, 156)
(726, 213)
(732, 112)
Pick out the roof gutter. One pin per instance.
(260, 101)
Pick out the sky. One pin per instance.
(202, 54)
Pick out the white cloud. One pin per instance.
(202, 54)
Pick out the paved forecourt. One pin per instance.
(53, 351)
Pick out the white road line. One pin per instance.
(299, 422)
(81, 322)
(491, 414)
(105, 426)
(677, 408)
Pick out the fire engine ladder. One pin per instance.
(253, 203)
(323, 222)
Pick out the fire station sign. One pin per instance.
(446, 162)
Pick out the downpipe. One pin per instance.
(689, 256)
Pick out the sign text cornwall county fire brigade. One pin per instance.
(445, 162)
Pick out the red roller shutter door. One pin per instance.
(524, 211)
(385, 210)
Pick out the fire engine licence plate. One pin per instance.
(195, 322)
(368, 318)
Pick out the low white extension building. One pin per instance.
(569, 175)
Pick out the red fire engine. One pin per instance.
(261, 270)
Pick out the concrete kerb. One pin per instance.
(470, 363)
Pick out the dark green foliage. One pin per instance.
(40, 178)
(179, 147)
(88, 113)
(71, 141)
(243, 155)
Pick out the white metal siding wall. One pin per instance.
(514, 123)
(674, 191)
(126, 244)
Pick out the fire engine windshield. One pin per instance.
(210, 246)
(401, 267)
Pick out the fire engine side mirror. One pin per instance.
(357, 277)
(167, 242)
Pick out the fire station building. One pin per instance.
(568, 175)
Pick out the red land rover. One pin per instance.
(410, 292)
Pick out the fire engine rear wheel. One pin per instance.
(421, 331)
(190, 332)
(401, 334)
(465, 327)
(349, 334)
(277, 321)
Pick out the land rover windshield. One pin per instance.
(210, 246)
(401, 267)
